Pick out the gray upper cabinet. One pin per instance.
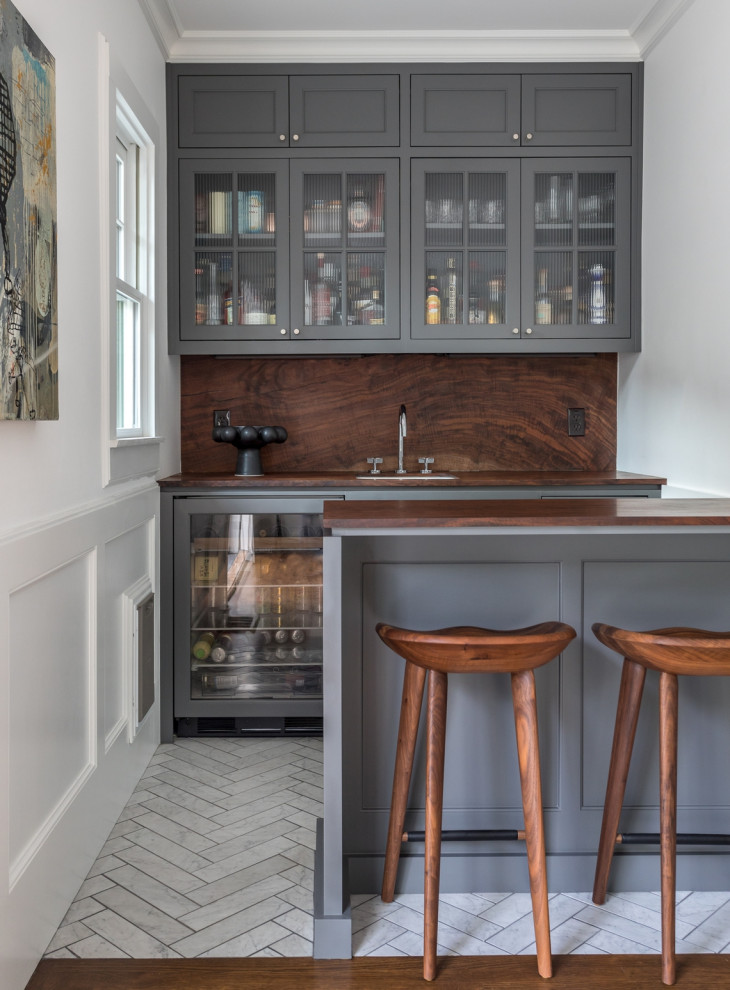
(576, 110)
(470, 110)
(279, 111)
(541, 110)
(232, 111)
(351, 111)
(424, 208)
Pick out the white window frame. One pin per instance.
(129, 131)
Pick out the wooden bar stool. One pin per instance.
(670, 651)
(467, 649)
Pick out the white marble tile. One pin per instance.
(96, 947)
(152, 890)
(292, 945)
(183, 817)
(387, 950)
(232, 927)
(89, 887)
(234, 903)
(182, 799)
(162, 870)
(256, 854)
(67, 935)
(298, 897)
(173, 852)
(128, 937)
(300, 874)
(176, 832)
(81, 908)
(299, 922)
(569, 936)
(238, 880)
(142, 914)
(508, 910)
(249, 943)
(373, 936)
(239, 844)
(698, 907)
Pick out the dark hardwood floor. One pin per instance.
(600, 972)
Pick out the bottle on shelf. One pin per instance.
(433, 299)
(451, 291)
(495, 302)
(543, 305)
(321, 297)
(203, 645)
(372, 312)
(597, 311)
(222, 646)
(359, 213)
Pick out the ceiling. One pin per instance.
(409, 30)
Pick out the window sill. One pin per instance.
(133, 457)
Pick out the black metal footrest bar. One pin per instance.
(469, 835)
(683, 838)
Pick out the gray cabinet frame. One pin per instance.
(609, 95)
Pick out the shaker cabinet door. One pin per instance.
(330, 111)
(467, 110)
(576, 242)
(465, 272)
(233, 111)
(576, 110)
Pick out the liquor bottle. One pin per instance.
(222, 646)
(358, 211)
(597, 304)
(495, 308)
(433, 300)
(543, 306)
(451, 293)
(372, 311)
(321, 297)
(203, 645)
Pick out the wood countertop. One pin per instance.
(466, 479)
(341, 516)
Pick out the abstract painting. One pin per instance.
(28, 290)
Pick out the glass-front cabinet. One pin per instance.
(300, 250)
(532, 249)
(248, 607)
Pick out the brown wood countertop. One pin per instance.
(466, 479)
(558, 512)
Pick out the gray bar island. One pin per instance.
(633, 562)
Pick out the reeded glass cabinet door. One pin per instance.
(344, 260)
(576, 248)
(465, 235)
(233, 254)
(250, 607)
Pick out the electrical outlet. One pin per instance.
(222, 417)
(576, 422)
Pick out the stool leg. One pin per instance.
(435, 747)
(633, 676)
(411, 700)
(668, 816)
(525, 706)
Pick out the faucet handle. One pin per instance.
(375, 461)
(425, 461)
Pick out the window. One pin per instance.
(129, 167)
(134, 349)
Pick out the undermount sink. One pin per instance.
(406, 477)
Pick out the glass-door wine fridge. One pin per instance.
(248, 615)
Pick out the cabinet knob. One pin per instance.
(516, 330)
(296, 332)
(515, 137)
(282, 137)
(283, 331)
(295, 137)
(528, 136)
(528, 330)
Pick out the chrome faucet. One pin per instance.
(401, 435)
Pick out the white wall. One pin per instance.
(674, 397)
(70, 547)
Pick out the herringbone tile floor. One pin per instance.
(214, 854)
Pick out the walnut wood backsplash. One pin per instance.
(477, 413)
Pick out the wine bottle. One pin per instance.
(222, 646)
(203, 645)
(543, 306)
(451, 293)
(433, 300)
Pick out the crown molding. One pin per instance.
(179, 45)
(660, 19)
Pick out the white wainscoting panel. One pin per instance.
(52, 691)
